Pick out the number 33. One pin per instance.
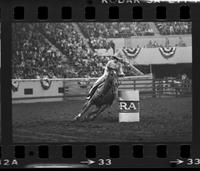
(106, 162)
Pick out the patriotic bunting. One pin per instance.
(131, 52)
(167, 52)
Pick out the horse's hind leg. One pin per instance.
(92, 113)
(92, 117)
(85, 108)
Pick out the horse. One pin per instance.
(165, 86)
(177, 86)
(182, 86)
(102, 98)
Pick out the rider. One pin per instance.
(114, 64)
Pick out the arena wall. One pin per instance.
(31, 91)
(144, 40)
(149, 56)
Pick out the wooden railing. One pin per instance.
(146, 85)
(79, 87)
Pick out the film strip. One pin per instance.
(135, 61)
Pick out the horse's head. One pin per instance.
(112, 76)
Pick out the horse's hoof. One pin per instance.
(92, 118)
(76, 118)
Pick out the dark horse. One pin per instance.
(181, 87)
(102, 97)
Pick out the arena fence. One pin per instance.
(36, 90)
(77, 88)
(172, 87)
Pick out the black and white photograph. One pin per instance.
(102, 82)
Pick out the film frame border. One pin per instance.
(7, 18)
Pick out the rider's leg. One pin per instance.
(95, 86)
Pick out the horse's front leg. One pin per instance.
(85, 108)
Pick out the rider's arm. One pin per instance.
(120, 71)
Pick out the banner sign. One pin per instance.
(15, 85)
(84, 83)
(129, 106)
(45, 83)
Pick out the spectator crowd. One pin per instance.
(171, 28)
(98, 33)
(155, 44)
(45, 49)
(33, 57)
(116, 29)
(57, 50)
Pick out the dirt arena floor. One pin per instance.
(162, 120)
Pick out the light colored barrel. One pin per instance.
(129, 106)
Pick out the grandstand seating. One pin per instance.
(39, 48)
(33, 56)
(116, 30)
(169, 28)
(97, 33)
